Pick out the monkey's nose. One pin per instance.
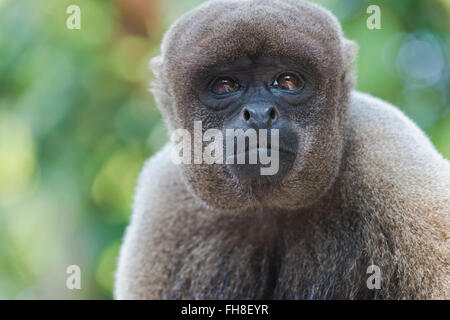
(260, 116)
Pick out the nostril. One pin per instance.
(246, 115)
(272, 114)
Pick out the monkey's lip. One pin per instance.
(256, 152)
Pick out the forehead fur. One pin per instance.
(221, 31)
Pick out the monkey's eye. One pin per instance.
(225, 85)
(288, 81)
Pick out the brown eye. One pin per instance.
(225, 85)
(288, 81)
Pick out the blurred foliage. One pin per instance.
(77, 121)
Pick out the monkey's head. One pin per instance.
(281, 64)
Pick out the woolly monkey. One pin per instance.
(358, 183)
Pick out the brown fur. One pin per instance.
(366, 188)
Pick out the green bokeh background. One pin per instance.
(77, 121)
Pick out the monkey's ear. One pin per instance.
(162, 97)
(350, 51)
(156, 66)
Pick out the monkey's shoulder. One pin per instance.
(390, 161)
(382, 125)
(160, 186)
(380, 138)
(160, 229)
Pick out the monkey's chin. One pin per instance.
(252, 178)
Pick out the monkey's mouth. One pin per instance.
(261, 166)
(258, 151)
(259, 156)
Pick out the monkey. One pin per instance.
(359, 184)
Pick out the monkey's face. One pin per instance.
(280, 77)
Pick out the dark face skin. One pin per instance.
(259, 93)
(263, 92)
